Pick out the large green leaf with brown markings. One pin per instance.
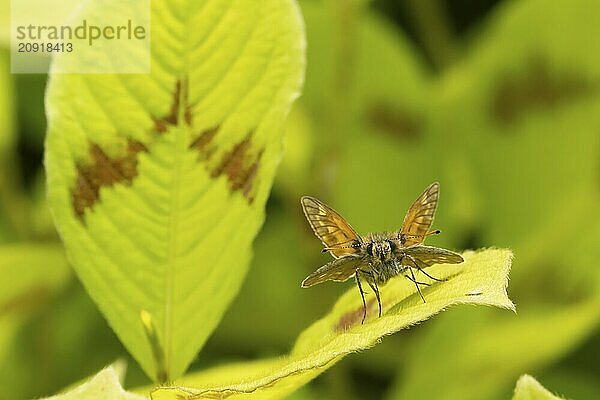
(158, 182)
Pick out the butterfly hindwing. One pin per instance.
(426, 256)
(336, 234)
(339, 270)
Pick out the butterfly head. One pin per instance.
(381, 250)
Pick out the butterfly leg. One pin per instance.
(431, 277)
(376, 290)
(362, 295)
(416, 284)
(373, 284)
(412, 259)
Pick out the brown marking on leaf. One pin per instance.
(537, 88)
(232, 162)
(103, 171)
(159, 125)
(202, 142)
(239, 165)
(172, 118)
(239, 168)
(248, 183)
(354, 317)
(395, 122)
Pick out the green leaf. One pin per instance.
(529, 389)
(11, 203)
(7, 123)
(31, 273)
(481, 279)
(158, 182)
(104, 386)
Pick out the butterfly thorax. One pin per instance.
(380, 253)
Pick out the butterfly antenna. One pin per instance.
(326, 249)
(435, 232)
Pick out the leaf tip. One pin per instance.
(509, 257)
(528, 387)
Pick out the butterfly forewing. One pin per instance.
(426, 256)
(338, 270)
(333, 230)
(420, 215)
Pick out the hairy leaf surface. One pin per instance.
(481, 279)
(103, 386)
(528, 388)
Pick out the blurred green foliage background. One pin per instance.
(497, 100)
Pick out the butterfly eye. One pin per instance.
(370, 249)
(392, 245)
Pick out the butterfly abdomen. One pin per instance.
(385, 271)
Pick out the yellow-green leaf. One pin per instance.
(528, 388)
(158, 182)
(481, 279)
(104, 386)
